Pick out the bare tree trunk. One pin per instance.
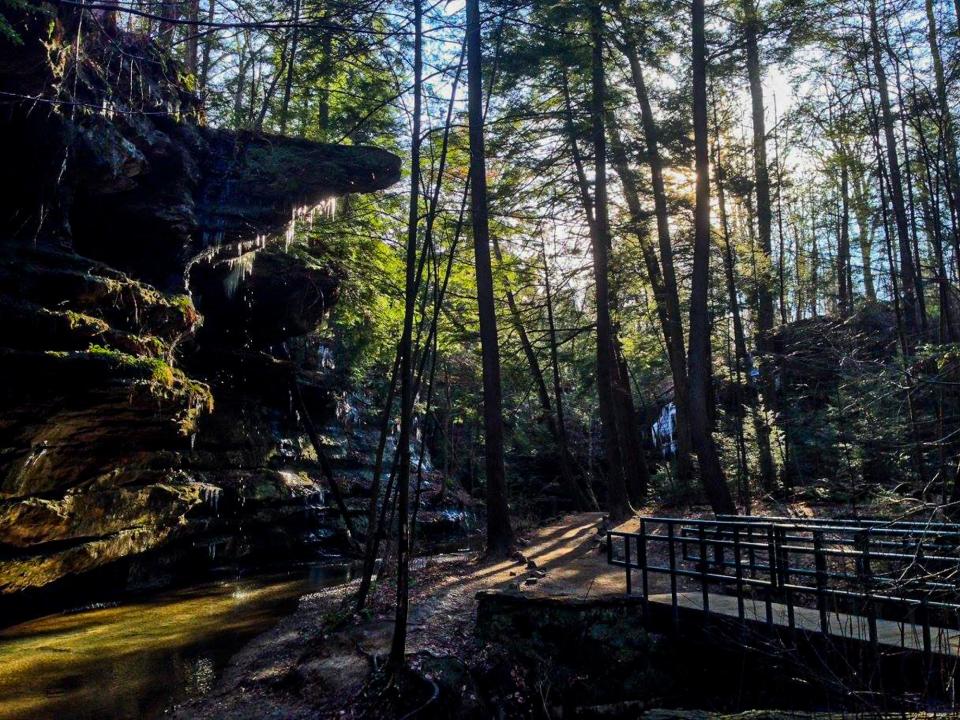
(814, 262)
(905, 348)
(765, 279)
(372, 540)
(947, 131)
(861, 209)
(781, 260)
(399, 643)
(907, 271)
(291, 67)
(934, 229)
(911, 205)
(843, 242)
(208, 43)
(499, 531)
(768, 471)
(761, 175)
(307, 422)
(323, 101)
(192, 46)
(740, 359)
(607, 367)
(711, 472)
(241, 85)
(669, 296)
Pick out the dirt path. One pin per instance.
(302, 669)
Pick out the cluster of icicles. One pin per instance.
(326, 208)
(241, 266)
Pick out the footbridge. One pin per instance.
(882, 586)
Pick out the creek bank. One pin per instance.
(135, 657)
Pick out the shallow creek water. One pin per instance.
(138, 658)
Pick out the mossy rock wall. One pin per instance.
(125, 229)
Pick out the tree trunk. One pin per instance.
(208, 42)
(673, 327)
(911, 205)
(291, 67)
(761, 175)
(908, 284)
(768, 471)
(765, 278)
(372, 543)
(607, 367)
(398, 645)
(499, 531)
(711, 472)
(814, 262)
(192, 29)
(844, 298)
(861, 209)
(946, 124)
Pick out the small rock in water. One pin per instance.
(530, 581)
(531, 564)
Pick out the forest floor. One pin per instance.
(318, 661)
(302, 667)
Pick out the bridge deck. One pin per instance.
(840, 625)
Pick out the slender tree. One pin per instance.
(666, 292)
(908, 278)
(399, 643)
(608, 368)
(499, 530)
(711, 472)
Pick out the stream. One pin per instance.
(139, 657)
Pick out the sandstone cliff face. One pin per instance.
(144, 284)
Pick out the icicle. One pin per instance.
(240, 267)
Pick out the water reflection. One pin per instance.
(135, 659)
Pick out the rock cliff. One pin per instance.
(146, 281)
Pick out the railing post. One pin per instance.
(772, 562)
(609, 548)
(924, 613)
(718, 553)
(862, 541)
(925, 622)
(642, 559)
(820, 562)
(626, 563)
(704, 584)
(783, 565)
(738, 571)
(672, 552)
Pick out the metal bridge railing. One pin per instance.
(907, 572)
